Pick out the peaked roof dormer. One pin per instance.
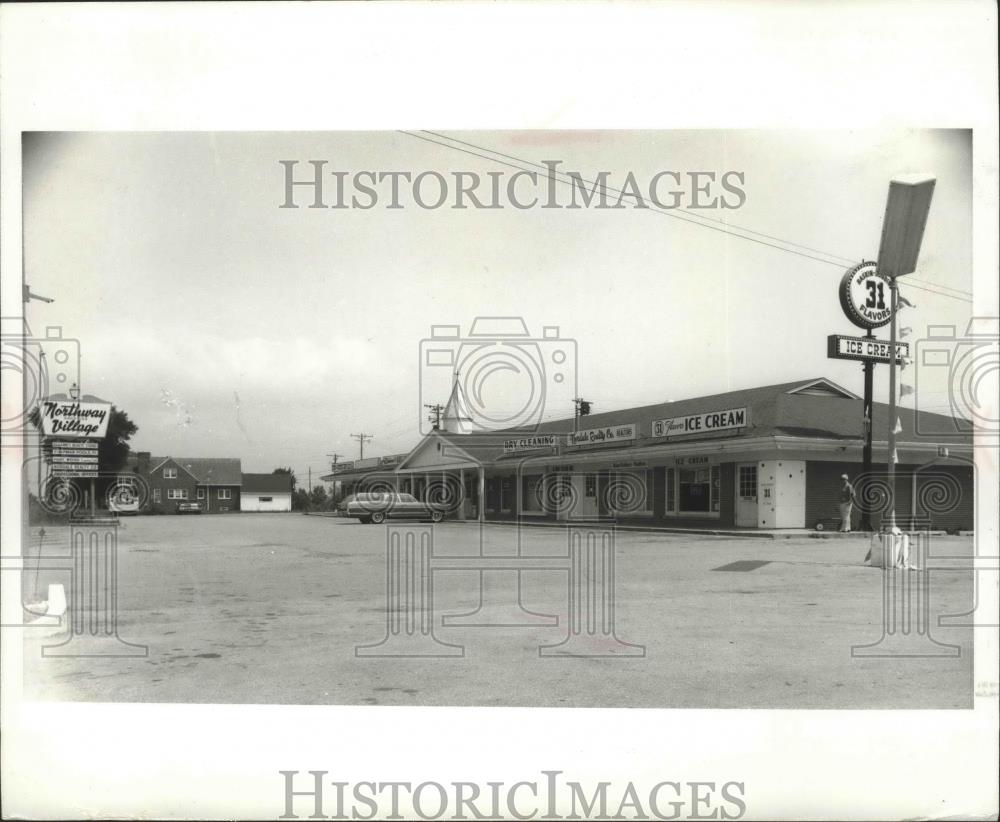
(822, 387)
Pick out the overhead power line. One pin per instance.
(724, 227)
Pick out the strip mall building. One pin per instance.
(767, 458)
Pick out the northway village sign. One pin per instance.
(87, 420)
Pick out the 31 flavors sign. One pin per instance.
(865, 296)
(729, 419)
(70, 418)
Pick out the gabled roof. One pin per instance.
(267, 483)
(811, 408)
(206, 470)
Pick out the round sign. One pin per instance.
(865, 296)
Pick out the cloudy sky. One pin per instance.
(228, 326)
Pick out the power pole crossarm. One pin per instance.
(362, 438)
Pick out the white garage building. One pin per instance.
(266, 492)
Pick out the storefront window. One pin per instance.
(531, 494)
(632, 492)
(693, 490)
(506, 493)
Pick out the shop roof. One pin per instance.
(206, 470)
(811, 408)
(267, 483)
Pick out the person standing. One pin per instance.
(847, 500)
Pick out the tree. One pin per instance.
(317, 498)
(300, 500)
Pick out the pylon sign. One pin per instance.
(865, 296)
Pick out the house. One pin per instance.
(214, 482)
(266, 492)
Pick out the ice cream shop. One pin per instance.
(767, 458)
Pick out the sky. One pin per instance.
(228, 326)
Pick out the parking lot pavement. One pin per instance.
(268, 608)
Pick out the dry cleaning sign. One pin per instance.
(64, 418)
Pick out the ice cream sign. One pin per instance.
(701, 423)
(613, 433)
(70, 418)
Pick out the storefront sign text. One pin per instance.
(839, 347)
(69, 418)
(700, 423)
(530, 443)
(614, 433)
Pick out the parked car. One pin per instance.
(378, 507)
(188, 507)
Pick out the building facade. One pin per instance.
(214, 483)
(266, 492)
(763, 458)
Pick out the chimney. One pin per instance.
(142, 462)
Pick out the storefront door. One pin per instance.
(586, 493)
(746, 495)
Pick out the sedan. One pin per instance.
(377, 508)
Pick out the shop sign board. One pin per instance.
(710, 421)
(694, 461)
(530, 443)
(72, 458)
(865, 296)
(75, 419)
(613, 433)
(74, 472)
(865, 349)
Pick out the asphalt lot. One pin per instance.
(268, 608)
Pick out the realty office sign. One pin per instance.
(530, 443)
(613, 433)
(865, 349)
(71, 418)
(700, 423)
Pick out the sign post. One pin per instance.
(903, 225)
(866, 453)
(71, 430)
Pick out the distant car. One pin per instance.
(188, 507)
(378, 507)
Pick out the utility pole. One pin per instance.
(310, 479)
(333, 463)
(435, 415)
(361, 441)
